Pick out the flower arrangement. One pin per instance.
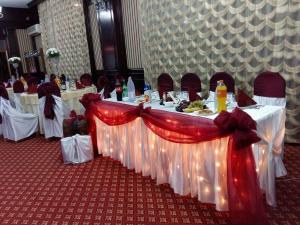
(52, 53)
(76, 124)
(14, 59)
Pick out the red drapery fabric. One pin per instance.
(245, 200)
(47, 90)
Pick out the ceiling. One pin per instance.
(14, 3)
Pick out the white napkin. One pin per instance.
(170, 93)
(101, 93)
(113, 94)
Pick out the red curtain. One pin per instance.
(244, 196)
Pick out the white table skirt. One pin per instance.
(197, 169)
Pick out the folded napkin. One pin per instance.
(243, 99)
(79, 85)
(193, 96)
(113, 94)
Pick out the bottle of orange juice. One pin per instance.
(221, 95)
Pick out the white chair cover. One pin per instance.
(16, 125)
(17, 101)
(261, 100)
(52, 128)
(77, 149)
(268, 153)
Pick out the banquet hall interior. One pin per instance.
(131, 112)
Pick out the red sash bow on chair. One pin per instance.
(47, 90)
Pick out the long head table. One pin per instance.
(200, 168)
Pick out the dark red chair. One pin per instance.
(164, 84)
(32, 83)
(103, 82)
(191, 82)
(269, 84)
(227, 79)
(86, 79)
(3, 92)
(18, 87)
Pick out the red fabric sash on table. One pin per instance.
(244, 196)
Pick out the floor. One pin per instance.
(37, 188)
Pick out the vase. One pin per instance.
(16, 65)
(54, 61)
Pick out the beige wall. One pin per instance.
(205, 36)
(63, 27)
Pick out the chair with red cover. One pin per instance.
(103, 86)
(191, 82)
(227, 79)
(51, 112)
(86, 79)
(269, 89)
(164, 84)
(15, 125)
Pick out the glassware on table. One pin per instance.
(185, 95)
(231, 100)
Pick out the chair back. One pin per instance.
(86, 79)
(164, 83)
(32, 83)
(103, 82)
(227, 79)
(3, 92)
(269, 84)
(18, 87)
(190, 82)
(47, 90)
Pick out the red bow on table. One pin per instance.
(240, 124)
(89, 98)
(244, 196)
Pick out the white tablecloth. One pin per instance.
(197, 169)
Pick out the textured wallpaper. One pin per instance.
(25, 45)
(63, 26)
(132, 33)
(242, 38)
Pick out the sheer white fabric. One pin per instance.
(16, 125)
(197, 169)
(52, 128)
(261, 100)
(77, 149)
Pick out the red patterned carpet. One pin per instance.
(37, 188)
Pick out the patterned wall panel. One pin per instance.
(131, 23)
(95, 37)
(63, 26)
(243, 38)
(25, 45)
